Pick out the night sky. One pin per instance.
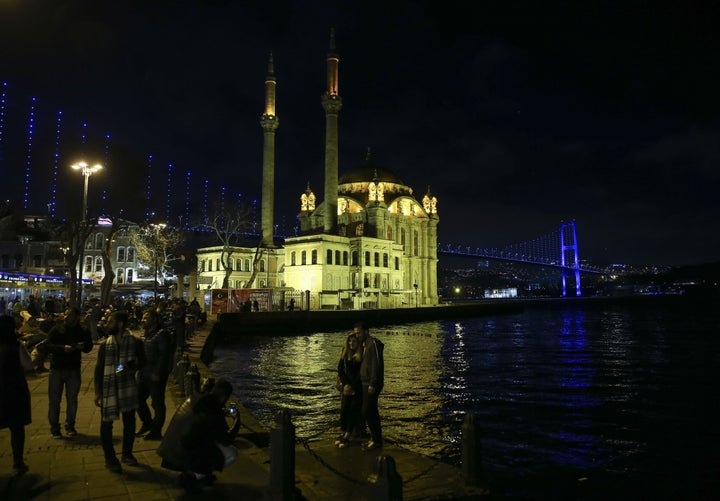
(518, 115)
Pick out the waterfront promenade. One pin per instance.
(74, 468)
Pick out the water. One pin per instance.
(576, 389)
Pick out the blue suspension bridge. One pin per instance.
(557, 249)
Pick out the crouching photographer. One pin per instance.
(198, 440)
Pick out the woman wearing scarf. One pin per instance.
(116, 392)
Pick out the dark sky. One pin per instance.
(517, 114)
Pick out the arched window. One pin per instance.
(367, 258)
(354, 258)
(121, 254)
(99, 240)
(247, 265)
(231, 262)
(345, 258)
(262, 265)
(292, 258)
(88, 264)
(385, 260)
(217, 264)
(238, 264)
(397, 263)
(337, 257)
(328, 257)
(120, 275)
(314, 256)
(377, 259)
(303, 257)
(209, 264)
(389, 232)
(130, 275)
(415, 243)
(98, 264)
(130, 255)
(202, 265)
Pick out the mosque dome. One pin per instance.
(369, 172)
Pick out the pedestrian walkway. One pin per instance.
(71, 469)
(74, 468)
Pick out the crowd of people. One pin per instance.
(130, 369)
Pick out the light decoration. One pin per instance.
(28, 162)
(3, 103)
(83, 135)
(169, 192)
(56, 165)
(148, 186)
(222, 203)
(205, 201)
(187, 199)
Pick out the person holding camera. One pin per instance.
(198, 440)
(116, 390)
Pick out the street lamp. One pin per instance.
(86, 171)
(416, 293)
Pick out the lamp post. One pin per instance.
(416, 293)
(86, 171)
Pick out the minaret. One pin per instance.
(269, 123)
(331, 103)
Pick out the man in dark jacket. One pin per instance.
(372, 375)
(198, 440)
(152, 379)
(65, 343)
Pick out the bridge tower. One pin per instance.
(568, 243)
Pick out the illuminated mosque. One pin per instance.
(368, 244)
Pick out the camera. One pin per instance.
(119, 369)
(232, 409)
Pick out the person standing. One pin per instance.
(372, 375)
(351, 391)
(116, 392)
(14, 393)
(66, 342)
(152, 379)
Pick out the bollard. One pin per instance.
(471, 450)
(181, 368)
(192, 381)
(385, 483)
(282, 458)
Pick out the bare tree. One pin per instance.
(228, 226)
(109, 275)
(74, 234)
(155, 245)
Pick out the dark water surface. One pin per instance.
(626, 393)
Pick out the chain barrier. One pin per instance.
(306, 444)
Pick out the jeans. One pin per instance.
(371, 414)
(128, 438)
(156, 391)
(70, 379)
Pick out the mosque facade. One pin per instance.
(368, 244)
